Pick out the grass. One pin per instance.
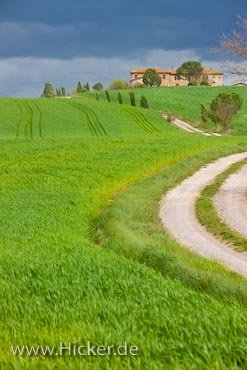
(57, 196)
(208, 216)
(131, 227)
(184, 102)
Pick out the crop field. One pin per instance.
(184, 102)
(82, 253)
(35, 118)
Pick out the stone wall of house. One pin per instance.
(169, 78)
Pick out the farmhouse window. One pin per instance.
(164, 77)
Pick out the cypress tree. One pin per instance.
(144, 102)
(108, 96)
(132, 99)
(79, 87)
(63, 91)
(120, 98)
(97, 96)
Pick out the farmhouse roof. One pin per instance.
(240, 84)
(158, 70)
(210, 71)
(206, 71)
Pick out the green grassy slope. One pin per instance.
(58, 285)
(62, 118)
(185, 102)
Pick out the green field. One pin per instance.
(184, 102)
(62, 118)
(83, 256)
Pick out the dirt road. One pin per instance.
(231, 201)
(178, 216)
(185, 126)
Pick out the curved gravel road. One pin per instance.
(231, 201)
(178, 216)
(185, 126)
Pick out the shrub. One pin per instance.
(118, 84)
(120, 98)
(98, 86)
(204, 83)
(151, 78)
(170, 118)
(144, 102)
(108, 98)
(132, 99)
(97, 96)
(224, 107)
(139, 85)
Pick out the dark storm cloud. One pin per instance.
(68, 29)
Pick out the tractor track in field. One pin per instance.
(141, 121)
(20, 120)
(29, 124)
(28, 112)
(178, 216)
(40, 117)
(93, 121)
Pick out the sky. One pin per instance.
(63, 41)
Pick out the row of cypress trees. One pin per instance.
(81, 88)
(143, 101)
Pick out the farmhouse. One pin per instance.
(240, 84)
(170, 77)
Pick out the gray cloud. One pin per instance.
(93, 40)
(62, 29)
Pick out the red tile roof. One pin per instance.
(206, 71)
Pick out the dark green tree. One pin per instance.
(191, 70)
(79, 87)
(132, 99)
(98, 86)
(108, 98)
(87, 87)
(151, 78)
(49, 91)
(120, 98)
(144, 102)
(97, 96)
